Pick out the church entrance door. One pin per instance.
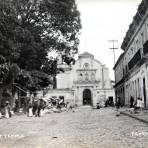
(87, 100)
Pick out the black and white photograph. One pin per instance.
(73, 73)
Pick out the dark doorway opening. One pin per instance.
(144, 92)
(87, 100)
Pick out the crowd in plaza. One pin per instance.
(36, 107)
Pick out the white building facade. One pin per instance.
(119, 79)
(85, 83)
(135, 58)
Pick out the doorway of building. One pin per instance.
(87, 98)
(144, 92)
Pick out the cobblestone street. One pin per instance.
(84, 128)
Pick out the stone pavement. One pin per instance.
(84, 128)
(139, 115)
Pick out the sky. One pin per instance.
(104, 20)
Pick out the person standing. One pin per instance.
(118, 105)
(7, 110)
(29, 110)
(35, 107)
(140, 104)
(69, 106)
(40, 107)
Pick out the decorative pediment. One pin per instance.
(86, 54)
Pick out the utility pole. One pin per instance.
(113, 48)
(103, 83)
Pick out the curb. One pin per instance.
(139, 119)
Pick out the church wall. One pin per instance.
(64, 80)
(79, 97)
(97, 96)
(106, 78)
(110, 93)
(74, 76)
(98, 68)
(100, 96)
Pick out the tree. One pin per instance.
(36, 27)
(8, 74)
(29, 29)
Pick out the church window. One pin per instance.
(86, 66)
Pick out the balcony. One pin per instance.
(120, 82)
(86, 70)
(86, 82)
(141, 62)
(134, 60)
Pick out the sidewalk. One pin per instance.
(139, 115)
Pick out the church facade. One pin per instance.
(85, 83)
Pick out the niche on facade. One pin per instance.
(86, 66)
(92, 76)
(86, 76)
(80, 76)
(104, 84)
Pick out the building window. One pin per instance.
(86, 66)
(137, 44)
(142, 38)
(132, 50)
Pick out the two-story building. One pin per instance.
(135, 58)
(119, 78)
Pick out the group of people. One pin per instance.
(35, 108)
(109, 102)
(62, 106)
(134, 104)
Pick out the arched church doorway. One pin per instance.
(87, 97)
